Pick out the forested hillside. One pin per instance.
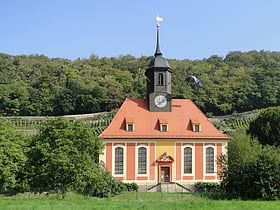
(38, 85)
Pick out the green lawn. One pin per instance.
(131, 200)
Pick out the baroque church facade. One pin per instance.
(160, 139)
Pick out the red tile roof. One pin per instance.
(146, 123)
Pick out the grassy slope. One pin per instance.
(130, 200)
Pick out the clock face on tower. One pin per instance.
(160, 101)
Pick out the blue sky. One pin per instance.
(192, 29)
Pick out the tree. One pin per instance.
(236, 174)
(266, 127)
(250, 170)
(63, 102)
(13, 148)
(266, 174)
(38, 85)
(64, 156)
(13, 98)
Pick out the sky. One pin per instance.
(191, 29)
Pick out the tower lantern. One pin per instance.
(159, 80)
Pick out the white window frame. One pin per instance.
(163, 125)
(128, 126)
(193, 159)
(124, 160)
(195, 126)
(147, 159)
(213, 146)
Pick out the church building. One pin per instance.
(159, 139)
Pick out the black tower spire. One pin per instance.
(158, 52)
(159, 80)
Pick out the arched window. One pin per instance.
(210, 160)
(160, 79)
(119, 160)
(187, 160)
(142, 160)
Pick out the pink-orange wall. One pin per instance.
(198, 161)
(178, 161)
(109, 157)
(153, 173)
(130, 161)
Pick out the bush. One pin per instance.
(101, 184)
(266, 171)
(207, 187)
(131, 186)
(266, 127)
(251, 171)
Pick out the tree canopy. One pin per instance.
(266, 127)
(64, 156)
(38, 85)
(251, 171)
(13, 158)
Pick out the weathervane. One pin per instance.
(159, 19)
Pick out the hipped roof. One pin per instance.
(147, 126)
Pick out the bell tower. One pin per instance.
(159, 80)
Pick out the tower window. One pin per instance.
(160, 79)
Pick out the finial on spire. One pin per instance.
(158, 19)
(158, 52)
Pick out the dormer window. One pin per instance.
(196, 127)
(129, 127)
(163, 127)
(163, 124)
(129, 124)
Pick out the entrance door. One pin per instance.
(165, 174)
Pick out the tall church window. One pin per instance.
(210, 160)
(142, 160)
(160, 79)
(119, 160)
(187, 160)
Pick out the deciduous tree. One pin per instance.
(250, 170)
(13, 148)
(266, 127)
(64, 156)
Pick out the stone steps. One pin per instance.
(168, 187)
